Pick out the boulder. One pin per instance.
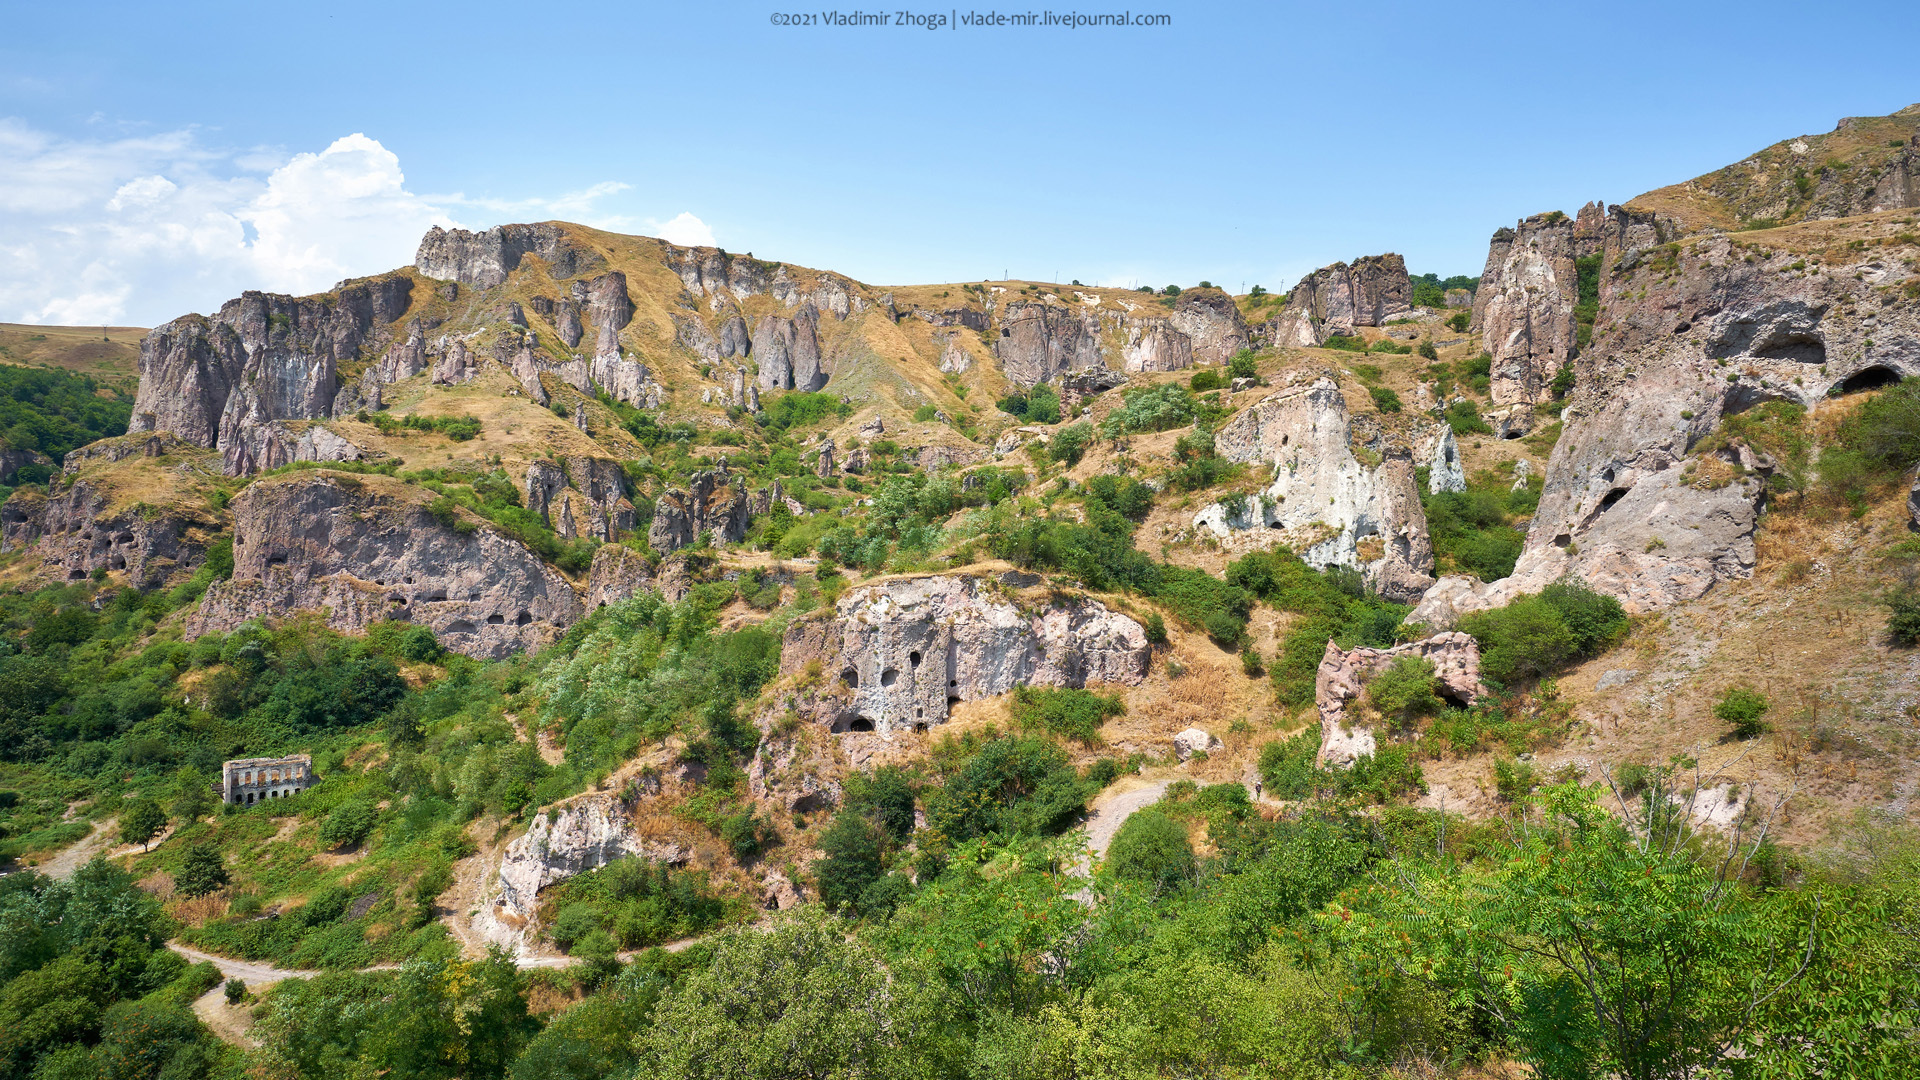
(363, 548)
(578, 835)
(1343, 676)
(899, 652)
(1194, 741)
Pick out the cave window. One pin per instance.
(851, 679)
(913, 659)
(889, 676)
(524, 618)
(496, 619)
(1612, 497)
(861, 723)
(1004, 332)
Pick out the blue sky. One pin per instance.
(155, 160)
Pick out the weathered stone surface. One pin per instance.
(1038, 341)
(1343, 675)
(788, 351)
(79, 529)
(900, 651)
(364, 548)
(714, 502)
(273, 443)
(954, 358)
(1323, 503)
(484, 259)
(1213, 325)
(1194, 741)
(1459, 298)
(1336, 299)
(610, 310)
(1155, 345)
(1524, 309)
(454, 366)
(735, 340)
(585, 832)
(618, 572)
(566, 323)
(1440, 453)
(823, 463)
(1621, 509)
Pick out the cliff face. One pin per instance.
(264, 357)
(365, 548)
(89, 520)
(482, 260)
(1523, 311)
(1038, 341)
(1343, 675)
(1323, 502)
(1692, 331)
(714, 503)
(1336, 299)
(899, 652)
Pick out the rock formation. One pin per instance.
(1336, 299)
(901, 651)
(618, 573)
(366, 548)
(1039, 341)
(1154, 345)
(788, 351)
(483, 260)
(1524, 309)
(1323, 503)
(83, 524)
(1213, 326)
(714, 503)
(580, 834)
(1627, 505)
(1343, 676)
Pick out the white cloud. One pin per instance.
(685, 230)
(144, 229)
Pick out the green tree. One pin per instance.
(141, 821)
(801, 1000)
(1152, 849)
(192, 796)
(1598, 948)
(203, 871)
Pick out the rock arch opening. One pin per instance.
(1873, 378)
(889, 676)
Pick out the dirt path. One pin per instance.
(230, 1022)
(1112, 809)
(69, 859)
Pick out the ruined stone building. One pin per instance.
(249, 780)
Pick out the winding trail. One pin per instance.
(1111, 810)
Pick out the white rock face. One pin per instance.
(591, 830)
(1441, 455)
(903, 650)
(1323, 502)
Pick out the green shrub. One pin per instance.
(1464, 418)
(1243, 365)
(1514, 779)
(1070, 442)
(1903, 623)
(1287, 768)
(349, 824)
(1068, 713)
(236, 991)
(1205, 379)
(1427, 351)
(1405, 690)
(1538, 635)
(1743, 709)
(924, 413)
(1384, 399)
(1344, 343)
(1156, 627)
(1459, 322)
(1151, 849)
